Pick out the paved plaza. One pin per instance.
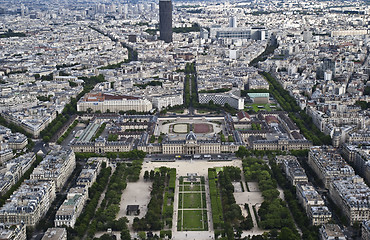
(138, 193)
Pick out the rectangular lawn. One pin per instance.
(190, 200)
(191, 188)
(194, 220)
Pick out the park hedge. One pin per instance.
(217, 215)
(158, 213)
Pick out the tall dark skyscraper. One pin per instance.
(165, 20)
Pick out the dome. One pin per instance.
(191, 136)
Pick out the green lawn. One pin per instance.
(176, 111)
(193, 220)
(191, 183)
(190, 200)
(196, 187)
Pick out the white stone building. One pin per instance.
(105, 102)
(57, 166)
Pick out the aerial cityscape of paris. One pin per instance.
(184, 119)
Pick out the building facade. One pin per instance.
(17, 141)
(319, 215)
(352, 196)
(331, 232)
(161, 102)
(292, 169)
(280, 144)
(101, 145)
(90, 171)
(57, 166)
(239, 33)
(104, 102)
(70, 209)
(29, 203)
(221, 99)
(190, 146)
(165, 20)
(328, 164)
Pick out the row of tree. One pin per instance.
(133, 172)
(65, 135)
(14, 127)
(194, 28)
(44, 98)
(309, 130)
(69, 109)
(191, 94)
(92, 220)
(132, 53)
(286, 101)
(309, 232)
(26, 175)
(169, 196)
(112, 137)
(131, 155)
(303, 121)
(110, 206)
(190, 85)
(233, 218)
(88, 213)
(114, 65)
(211, 106)
(10, 34)
(217, 214)
(125, 232)
(219, 90)
(244, 152)
(227, 217)
(273, 212)
(187, 91)
(157, 214)
(58, 67)
(256, 126)
(363, 104)
(263, 56)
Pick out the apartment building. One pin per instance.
(352, 196)
(164, 101)
(29, 203)
(71, 208)
(14, 169)
(328, 164)
(13, 232)
(90, 171)
(292, 169)
(308, 196)
(331, 232)
(319, 215)
(57, 166)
